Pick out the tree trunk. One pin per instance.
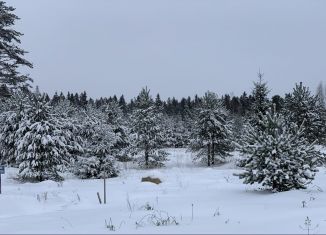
(40, 178)
(209, 154)
(146, 157)
(213, 153)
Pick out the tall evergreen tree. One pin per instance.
(83, 99)
(11, 55)
(114, 118)
(158, 101)
(245, 103)
(259, 94)
(55, 99)
(321, 95)
(211, 133)
(123, 104)
(302, 107)
(260, 102)
(148, 132)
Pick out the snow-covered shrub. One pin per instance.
(277, 155)
(147, 207)
(157, 218)
(95, 167)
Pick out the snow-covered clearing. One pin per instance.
(221, 203)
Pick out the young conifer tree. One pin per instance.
(211, 136)
(277, 155)
(148, 132)
(114, 117)
(98, 160)
(302, 107)
(260, 100)
(43, 146)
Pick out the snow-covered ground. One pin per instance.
(219, 201)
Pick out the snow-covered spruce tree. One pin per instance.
(99, 142)
(260, 93)
(148, 138)
(65, 109)
(10, 120)
(11, 56)
(211, 136)
(277, 155)
(175, 131)
(43, 146)
(301, 106)
(261, 103)
(321, 95)
(69, 114)
(115, 119)
(238, 125)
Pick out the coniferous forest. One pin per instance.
(43, 135)
(275, 141)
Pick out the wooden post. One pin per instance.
(99, 197)
(104, 191)
(192, 211)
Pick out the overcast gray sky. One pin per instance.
(175, 47)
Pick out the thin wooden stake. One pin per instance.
(192, 211)
(104, 191)
(99, 197)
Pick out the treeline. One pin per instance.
(236, 105)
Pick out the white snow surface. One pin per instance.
(221, 203)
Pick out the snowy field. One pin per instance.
(221, 203)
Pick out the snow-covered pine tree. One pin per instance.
(148, 138)
(260, 101)
(211, 136)
(175, 131)
(115, 119)
(99, 142)
(70, 114)
(11, 55)
(321, 110)
(259, 94)
(10, 120)
(9, 125)
(98, 161)
(43, 146)
(277, 155)
(301, 106)
(321, 95)
(238, 125)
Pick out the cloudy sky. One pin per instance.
(175, 47)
